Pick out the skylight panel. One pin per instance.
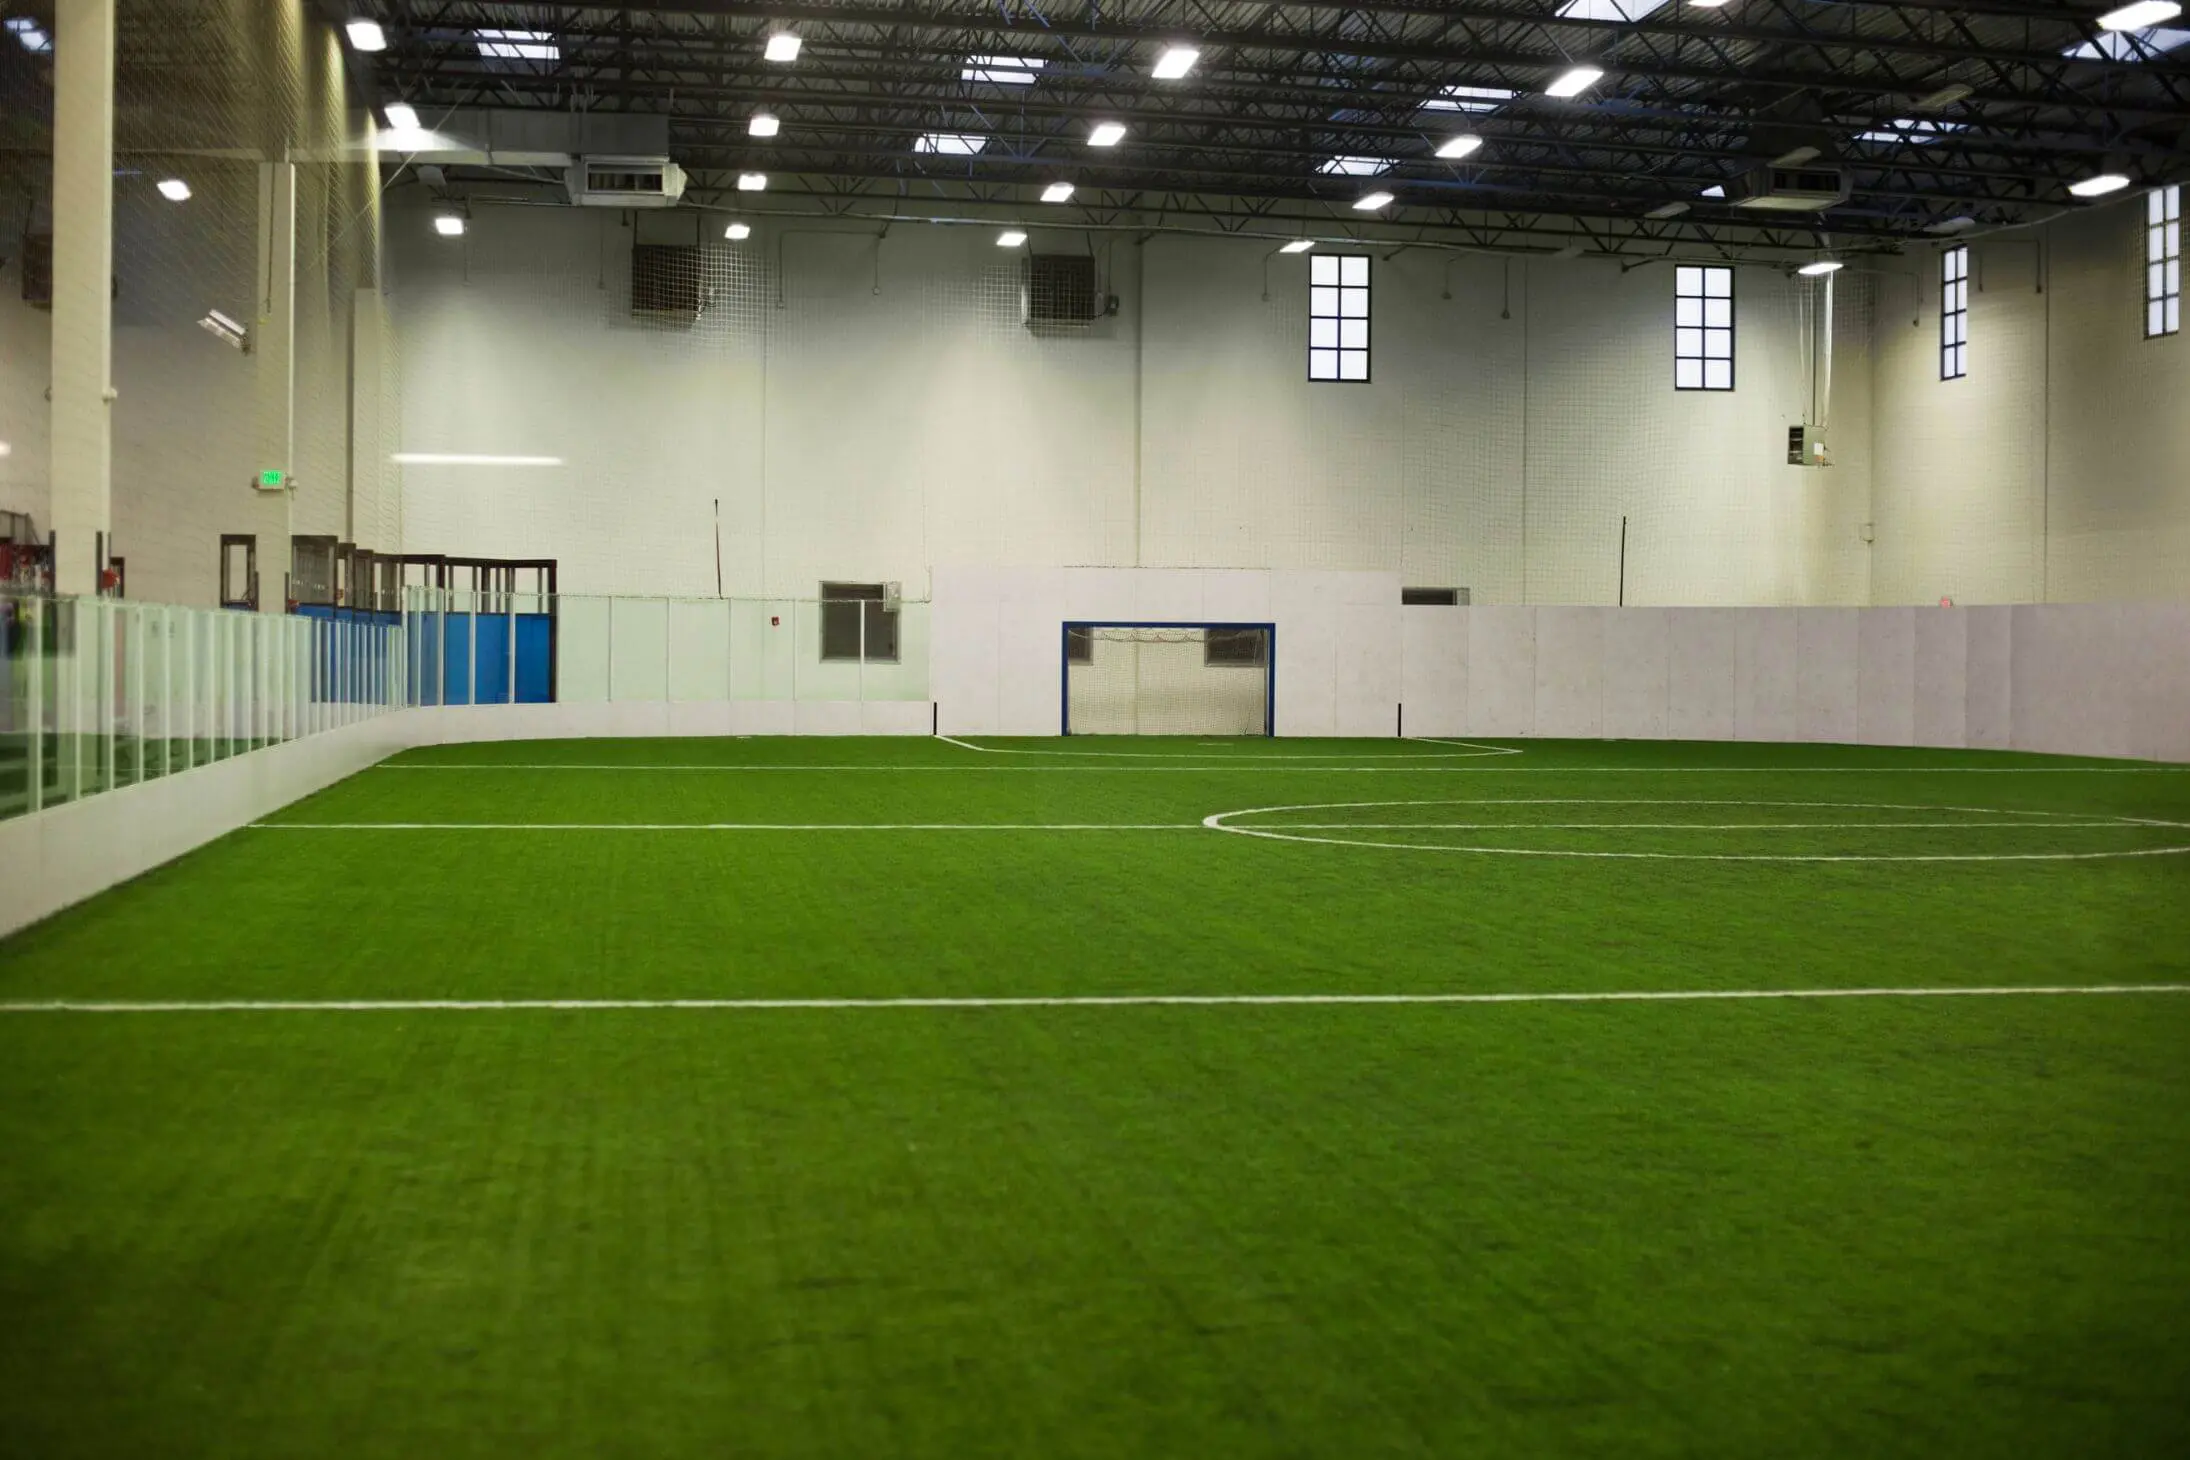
(1608, 9)
(30, 35)
(1355, 166)
(517, 45)
(950, 144)
(1469, 99)
(1909, 129)
(2129, 45)
(1002, 70)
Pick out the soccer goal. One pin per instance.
(1169, 679)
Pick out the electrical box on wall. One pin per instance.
(1806, 446)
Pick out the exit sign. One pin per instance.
(271, 481)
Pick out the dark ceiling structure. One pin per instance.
(1942, 116)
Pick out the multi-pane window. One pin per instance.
(1703, 328)
(858, 622)
(1954, 313)
(2163, 262)
(1338, 316)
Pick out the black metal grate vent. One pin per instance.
(1061, 289)
(667, 282)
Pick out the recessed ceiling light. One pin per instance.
(174, 189)
(1575, 81)
(1106, 134)
(1057, 192)
(1459, 146)
(1355, 166)
(764, 124)
(1373, 202)
(1298, 245)
(782, 46)
(1667, 210)
(738, 231)
(752, 182)
(366, 35)
(448, 225)
(1175, 62)
(401, 116)
(1820, 266)
(2099, 186)
(2139, 15)
(1010, 238)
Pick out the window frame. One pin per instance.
(1954, 272)
(1703, 330)
(1338, 267)
(2163, 262)
(872, 600)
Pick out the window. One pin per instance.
(1338, 316)
(1236, 648)
(1954, 313)
(1703, 328)
(1433, 597)
(2163, 262)
(1079, 645)
(856, 615)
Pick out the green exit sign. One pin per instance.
(272, 481)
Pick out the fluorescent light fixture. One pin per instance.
(1945, 96)
(1820, 266)
(29, 35)
(1175, 62)
(1010, 238)
(1057, 192)
(224, 322)
(1355, 166)
(1706, 4)
(1668, 210)
(752, 182)
(1716, 190)
(1002, 70)
(401, 117)
(226, 330)
(1575, 81)
(763, 124)
(448, 225)
(2139, 15)
(366, 35)
(467, 458)
(1106, 134)
(1460, 146)
(2099, 186)
(1373, 202)
(1469, 99)
(954, 144)
(517, 45)
(782, 46)
(738, 232)
(174, 189)
(1298, 245)
(1951, 225)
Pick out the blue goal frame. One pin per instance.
(1064, 660)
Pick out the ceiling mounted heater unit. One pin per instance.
(1789, 189)
(625, 182)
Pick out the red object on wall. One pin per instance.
(775, 621)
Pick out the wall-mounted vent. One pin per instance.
(1433, 598)
(625, 182)
(667, 282)
(1789, 189)
(1061, 289)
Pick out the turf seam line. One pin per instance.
(1094, 1001)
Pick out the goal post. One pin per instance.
(1167, 678)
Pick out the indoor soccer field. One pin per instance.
(1151, 1096)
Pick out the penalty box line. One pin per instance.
(1062, 1001)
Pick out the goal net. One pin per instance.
(1167, 679)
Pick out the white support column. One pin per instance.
(274, 345)
(83, 272)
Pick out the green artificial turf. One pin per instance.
(1878, 1226)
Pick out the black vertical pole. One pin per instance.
(1623, 560)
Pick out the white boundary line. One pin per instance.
(1263, 768)
(720, 826)
(1473, 751)
(1221, 821)
(1060, 1001)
